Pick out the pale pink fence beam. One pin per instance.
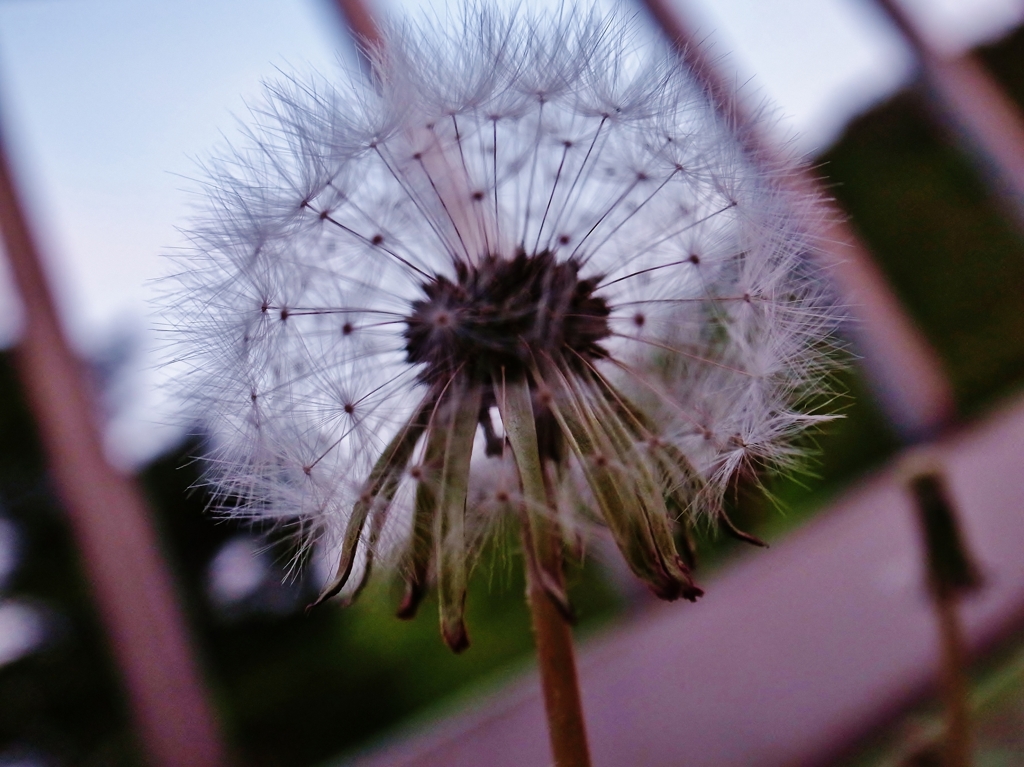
(982, 116)
(360, 20)
(902, 368)
(110, 522)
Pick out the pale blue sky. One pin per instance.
(106, 104)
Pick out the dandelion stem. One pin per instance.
(559, 681)
(545, 591)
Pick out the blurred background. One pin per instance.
(106, 109)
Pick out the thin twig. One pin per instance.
(955, 685)
(951, 573)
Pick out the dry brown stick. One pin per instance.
(904, 371)
(951, 573)
(955, 688)
(111, 525)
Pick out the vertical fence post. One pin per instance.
(111, 525)
(903, 370)
(983, 119)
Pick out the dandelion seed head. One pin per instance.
(507, 202)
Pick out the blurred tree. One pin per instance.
(63, 701)
(955, 260)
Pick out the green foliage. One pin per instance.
(301, 688)
(997, 719)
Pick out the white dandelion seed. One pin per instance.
(525, 250)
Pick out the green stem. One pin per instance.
(541, 545)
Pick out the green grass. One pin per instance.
(997, 708)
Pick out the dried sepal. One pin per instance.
(415, 564)
(459, 411)
(378, 492)
(515, 403)
(620, 499)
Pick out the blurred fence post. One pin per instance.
(361, 22)
(903, 370)
(119, 549)
(968, 99)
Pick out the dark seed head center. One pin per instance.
(502, 314)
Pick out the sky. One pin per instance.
(107, 107)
